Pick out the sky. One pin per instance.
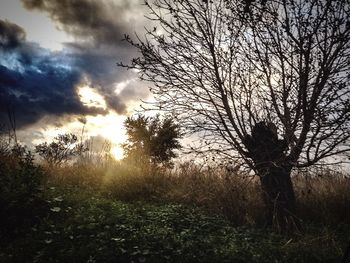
(58, 67)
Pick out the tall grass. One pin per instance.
(322, 198)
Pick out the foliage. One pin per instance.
(85, 228)
(21, 200)
(61, 150)
(171, 216)
(151, 139)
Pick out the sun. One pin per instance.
(117, 153)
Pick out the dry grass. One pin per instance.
(321, 199)
(324, 197)
(237, 196)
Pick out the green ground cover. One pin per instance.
(81, 227)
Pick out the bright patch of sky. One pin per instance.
(119, 87)
(91, 98)
(110, 127)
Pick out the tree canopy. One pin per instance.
(151, 139)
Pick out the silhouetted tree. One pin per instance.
(242, 74)
(151, 140)
(61, 150)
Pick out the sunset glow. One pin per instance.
(117, 153)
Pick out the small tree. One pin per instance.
(61, 150)
(151, 140)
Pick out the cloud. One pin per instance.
(99, 64)
(11, 35)
(34, 81)
(104, 22)
(98, 28)
(37, 82)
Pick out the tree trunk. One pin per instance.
(274, 169)
(279, 198)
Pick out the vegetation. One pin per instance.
(21, 197)
(80, 227)
(112, 211)
(236, 73)
(265, 86)
(151, 140)
(61, 150)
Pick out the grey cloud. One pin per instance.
(134, 88)
(11, 35)
(99, 64)
(104, 21)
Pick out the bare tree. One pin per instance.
(264, 81)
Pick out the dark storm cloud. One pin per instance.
(105, 22)
(11, 35)
(98, 27)
(35, 82)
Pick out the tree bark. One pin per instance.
(279, 198)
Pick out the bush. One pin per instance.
(61, 150)
(152, 140)
(21, 200)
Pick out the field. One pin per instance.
(109, 211)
